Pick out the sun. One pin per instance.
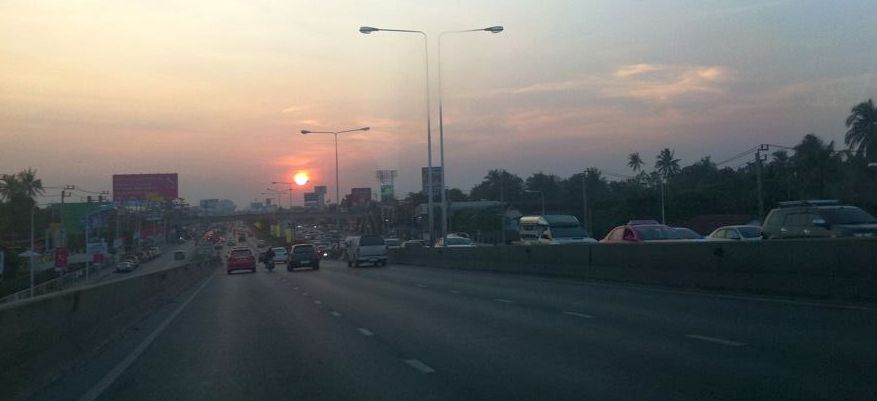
(301, 178)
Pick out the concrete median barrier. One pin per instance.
(42, 337)
(842, 268)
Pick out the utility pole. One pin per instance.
(758, 169)
(505, 209)
(585, 215)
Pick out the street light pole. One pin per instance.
(444, 190)
(337, 179)
(290, 191)
(368, 30)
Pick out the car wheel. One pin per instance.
(317, 266)
(349, 264)
(356, 264)
(288, 268)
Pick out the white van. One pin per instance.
(552, 229)
(366, 249)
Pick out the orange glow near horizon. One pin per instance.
(301, 178)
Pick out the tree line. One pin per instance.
(812, 169)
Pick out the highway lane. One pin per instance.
(406, 332)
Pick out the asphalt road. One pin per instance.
(411, 333)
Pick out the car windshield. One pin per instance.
(750, 232)
(241, 253)
(540, 152)
(370, 241)
(657, 233)
(458, 241)
(568, 231)
(687, 233)
(847, 215)
(303, 249)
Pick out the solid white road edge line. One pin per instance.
(120, 368)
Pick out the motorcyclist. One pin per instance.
(269, 259)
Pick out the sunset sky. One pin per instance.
(218, 90)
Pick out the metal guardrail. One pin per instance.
(69, 280)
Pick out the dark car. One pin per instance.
(641, 231)
(303, 255)
(818, 219)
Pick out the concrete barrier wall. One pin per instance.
(43, 336)
(843, 268)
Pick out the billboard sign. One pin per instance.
(387, 193)
(312, 199)
(360, 197)
(140, 187)
(436, 177)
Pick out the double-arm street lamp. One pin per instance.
(443, 189)
(337, 180)
(492, 29)
(368, 30)
(289, 184)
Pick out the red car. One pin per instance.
(240, 259)
(641, 231)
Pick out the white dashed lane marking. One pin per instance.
(422, 367)
(577, 314)
(336, 314)
(365, 332)
(454, 291)
(318, 302)
(716, 340)
(503, 300)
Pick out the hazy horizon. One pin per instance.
(218, 91)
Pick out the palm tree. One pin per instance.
(862, 133)
(635, 162)
(666, 165)
(31, 186)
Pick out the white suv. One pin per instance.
(280, 254)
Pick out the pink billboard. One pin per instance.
(132, 187)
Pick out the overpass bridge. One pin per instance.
(293, 215)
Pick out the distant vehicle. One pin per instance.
(641, 231)
(230, 243)
(414, 243)
(124, 267)
(366, 249)
(179, 255)
(133, 259)
(280, 254)
(818, 219)
(240, 259)
(217, 246)
(242, 238)
(261, 244)
(156, 250)
(552, 229)
(454, 241)
(736, 233)
(303, 255)
(393, 243)
(687, 233)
